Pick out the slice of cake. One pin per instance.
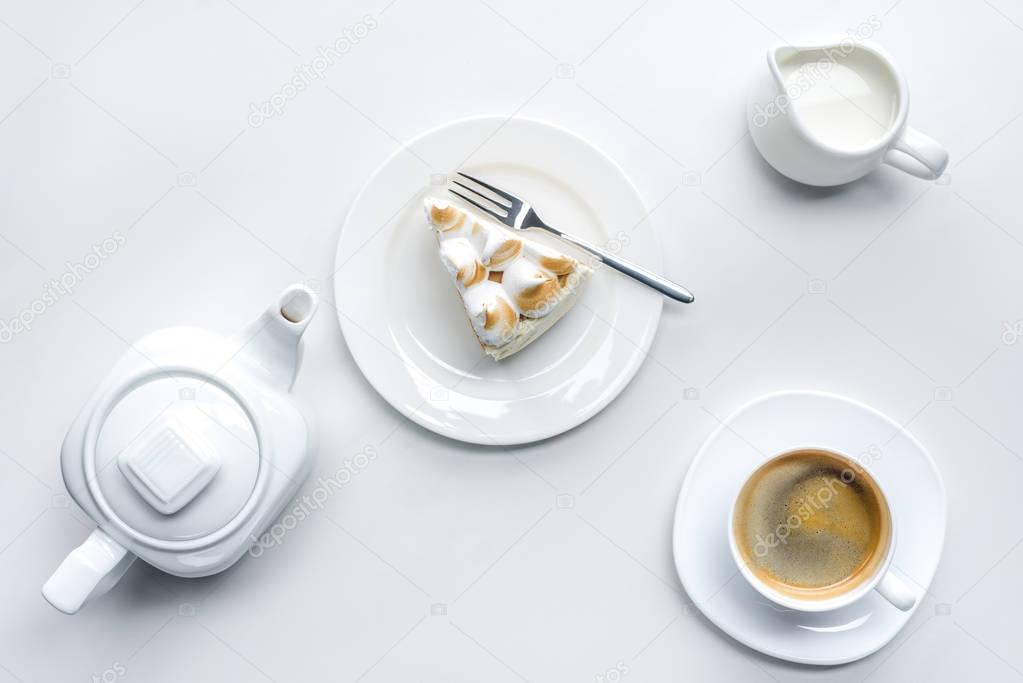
(513, 288)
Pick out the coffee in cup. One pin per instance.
(812, 525)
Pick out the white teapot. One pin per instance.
(187, 451)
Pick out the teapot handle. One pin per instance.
(917, 154)
(88, 572)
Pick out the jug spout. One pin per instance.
(272, 341)
(782, 60)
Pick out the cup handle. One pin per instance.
(896, 591)
(917, 154)
(88, 572)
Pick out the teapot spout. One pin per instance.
(272, 341)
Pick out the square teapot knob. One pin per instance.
(169, 464)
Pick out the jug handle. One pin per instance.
(917, 154)
(88, 572)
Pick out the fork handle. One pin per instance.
(662, 285)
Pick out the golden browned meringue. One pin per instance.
(499, 316)
(532, 299)
(559, 265)
(471, 274)
(505, 253)
(446, 217)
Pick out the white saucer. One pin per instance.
(767, 426)
(406, 328)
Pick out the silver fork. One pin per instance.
(519, 215)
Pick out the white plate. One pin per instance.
(772, 424)
(405, 325)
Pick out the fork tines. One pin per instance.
(503, 209)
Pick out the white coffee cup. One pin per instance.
(883, 580)
(830, 113)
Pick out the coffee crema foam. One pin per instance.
(812, 524)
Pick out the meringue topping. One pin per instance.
(444, 218)
(503, 254)
(559, 265)
(548, 258)
(499, 315)
(468, 277)
(513, 288)
(490, 313)
(460, 259)
(533, 290)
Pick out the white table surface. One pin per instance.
(552, 562)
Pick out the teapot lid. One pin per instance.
(172, 457)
